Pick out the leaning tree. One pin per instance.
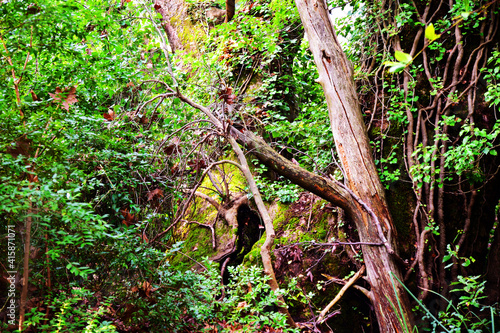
(362, 197)
(439, 108)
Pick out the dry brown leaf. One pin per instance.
(146, 286)
(227, 95)
(65, 96)
(111, 115)
(156, 193)
(129, 219)
(20, 147)
(169, 150)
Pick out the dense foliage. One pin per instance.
(97, 153)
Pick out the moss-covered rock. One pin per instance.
(297, 226)
(198, 240)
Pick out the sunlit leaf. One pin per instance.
(430, 33)
(465, 15)
(395, 67)
(402, 57)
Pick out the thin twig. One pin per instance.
(209, 226)
(321, 317)
(181, 214)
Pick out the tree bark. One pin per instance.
(390, 301)
(321, 186)
(173, 39)
(230, 9)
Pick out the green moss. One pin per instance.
(235, 178)
(374, 132)
(280, 218)
(253, 257)
(197, 239)
(307, 237)
(195, 244)
(341, 235)
(292, 224)
(189, 34)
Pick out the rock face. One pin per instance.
(178, 22)
(209, 231)
(215, 15)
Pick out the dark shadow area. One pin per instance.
(249, 232)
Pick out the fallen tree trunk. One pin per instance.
(321, 186)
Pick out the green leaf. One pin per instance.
(395, 67)
(402, 57)
(465, 15)
(430, 33)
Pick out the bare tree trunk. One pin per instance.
(26, 263)
(230, 9)
(335, 75)
(173, 39)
